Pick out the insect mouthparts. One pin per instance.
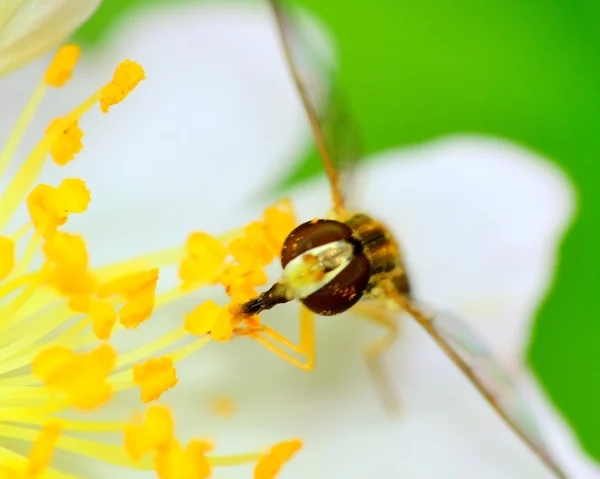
(252, 307)
(275, 295)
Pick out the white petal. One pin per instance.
(30, 28)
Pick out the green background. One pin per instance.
(526, 70)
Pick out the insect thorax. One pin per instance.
(381, 250)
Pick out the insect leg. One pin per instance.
(273, 341)
(375, 350)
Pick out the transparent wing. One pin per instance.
(487, 375)
(334, 129)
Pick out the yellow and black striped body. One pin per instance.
(381, 250)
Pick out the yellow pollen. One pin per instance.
(7, 256)
(240, 280)
(202, 319)
(174, 462)
(241, 292)
(68, 142)
(254, 247)
(280, 220)
(211, 318)
(103, 317)
(223, 327)
(101, 313)
(61, 67)
(50, 207)
(223, 406)
(138, 289)
(136, 311)
(269, 465)
(126, 77)
(75, 195)
(81, 378)
(155, 376)
(204, 258)
(152, 432)
(68, 264)
(130, 286)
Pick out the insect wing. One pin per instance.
(486, 373)
(314, 73)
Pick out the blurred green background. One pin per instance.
(528, 71)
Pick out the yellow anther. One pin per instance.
(61, 68)
(269, 465)
(45, 208)
(103, 317)
(101, 313)
(255, 247)
(68, 264)
(243, 273)
(126, 77)
(240, 280)
(139, 290)
(223, 327)
(240, 293)
(137, 310)
(67, 251)
(205, 257)
(7, 256)
(155, 376)
(202, 318)
(68, 142)
(175, 462)
(50, 207)
(210, 318)
(130, 286)
(280, 221)
(80, 303)
(74, 195)
(203, 246)
(152, 432)
(81, 378)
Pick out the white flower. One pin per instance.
(479, 220)
(30, 28)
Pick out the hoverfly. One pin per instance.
(330, 264)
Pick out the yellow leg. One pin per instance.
(376, 349)
(273, 341)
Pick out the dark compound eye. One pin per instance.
(348, 286)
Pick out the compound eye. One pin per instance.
(343, 291)
(346, 288)
(311, 234)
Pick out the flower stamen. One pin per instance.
(61, 68)
(55, 320)
(128, 77)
